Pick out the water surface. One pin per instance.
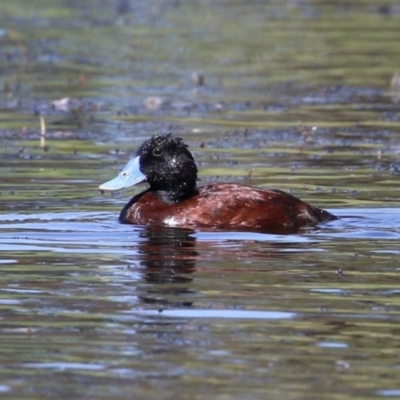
(295, 96)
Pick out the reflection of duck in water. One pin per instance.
(173, 199)
(167, 252)
(168, 256)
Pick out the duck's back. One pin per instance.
(226, 206)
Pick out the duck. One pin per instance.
(174, 199)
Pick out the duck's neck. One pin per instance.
(176, 195)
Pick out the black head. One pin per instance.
(169, 167)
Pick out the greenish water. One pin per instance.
(296, 97)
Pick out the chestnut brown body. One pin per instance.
(225, 206)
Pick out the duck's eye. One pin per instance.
(157, 151)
